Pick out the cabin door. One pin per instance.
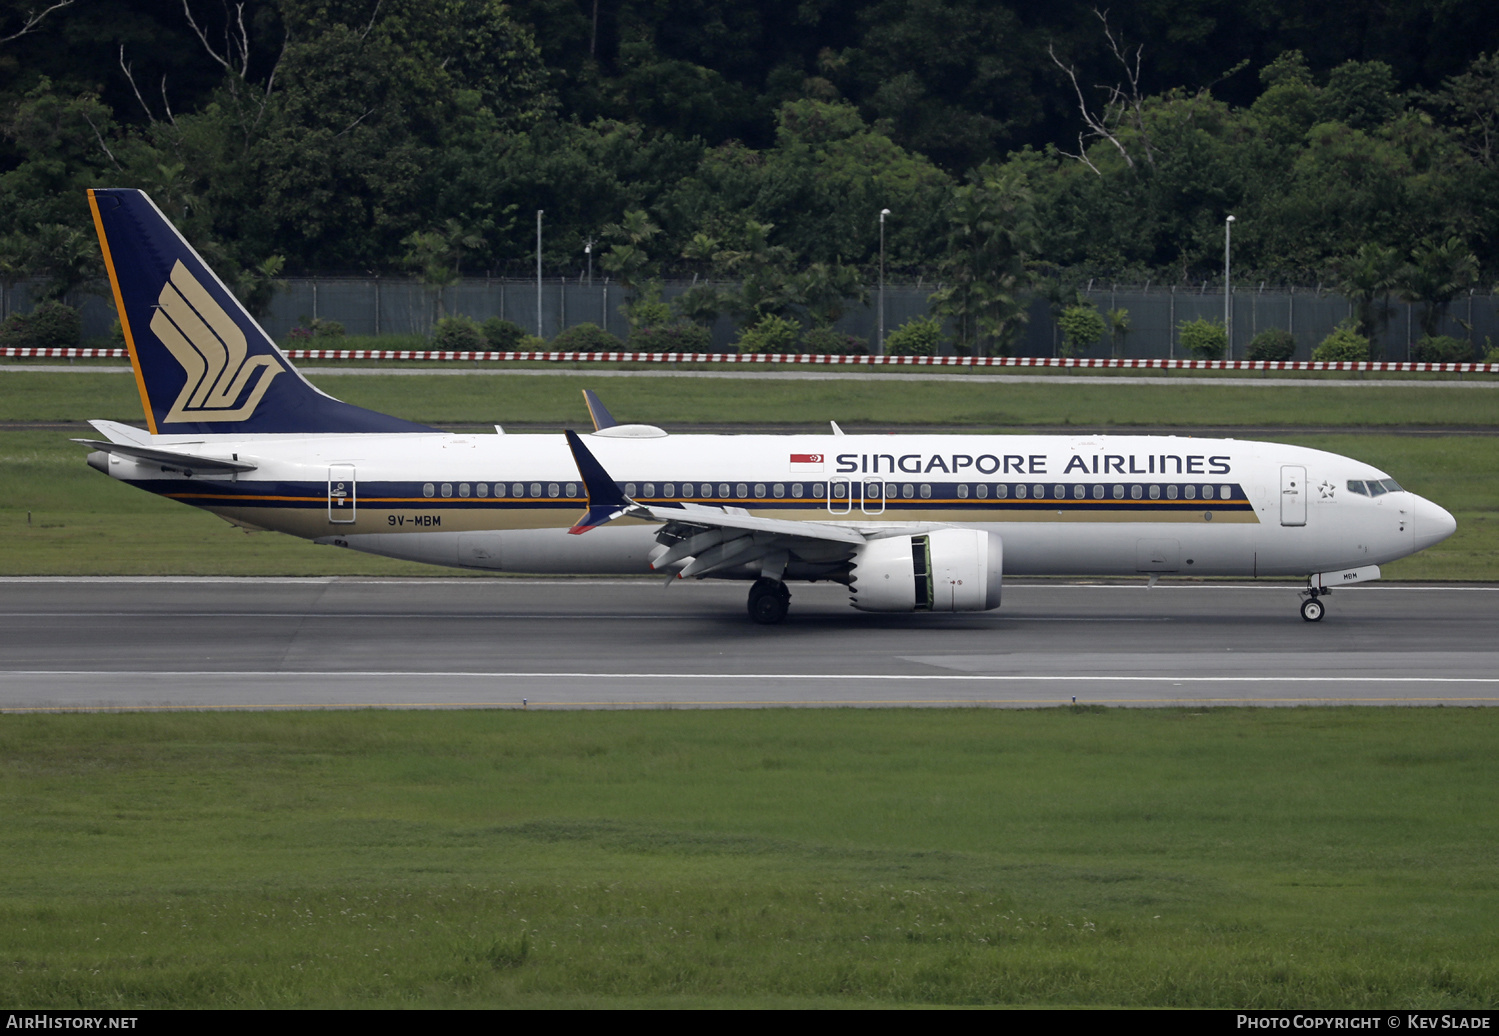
(1292, 495)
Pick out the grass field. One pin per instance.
(1246, 858)
(991, 404)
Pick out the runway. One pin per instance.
(182, 643)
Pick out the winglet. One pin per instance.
(602, 418)
(605, 499)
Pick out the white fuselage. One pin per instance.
(1063, 505)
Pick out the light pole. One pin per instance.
(1228, 327)
(883, 214)
(588, 251)
(538, 271)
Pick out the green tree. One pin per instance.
(628, 257)
(1204, 339)
(1118, 330)
(437, 257)
(1081, 325)
(919, 336)
(1367, 279)
(991, 233)
(1344, 345)
(1436, 273)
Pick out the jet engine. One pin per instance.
(946, 570)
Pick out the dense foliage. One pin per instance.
(1016, 148)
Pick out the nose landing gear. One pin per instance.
(768, 601)
(1312, 607)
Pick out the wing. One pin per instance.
(714, 538)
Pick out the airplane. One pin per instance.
(908, 523)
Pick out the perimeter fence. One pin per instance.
(399, 306)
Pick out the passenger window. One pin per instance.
(1118, 492)
(1019, 492)
(572, 489)
(779, 490)
(535, 488)
(668, 490)
(838, 490)
(963, 491)
(1207, 492)
(1191, 492)
(741, 490)
(1225, 492)
(816, 489)
(926, 491)
(1170, 492)
(908, 490)
(1001, 491)
(1098, 492)
(1079, 492)
(1039, 492)
(463, 489)
(723, 490)
(1135, 492)
(428, 489)
(517, 490)
(447, 489)
(983, 491)
(1059, 492)
(650, 489)
(629, 489)
(1155, 492)
(760, 490)
(483, 488)
(796, 490)
(553, 489)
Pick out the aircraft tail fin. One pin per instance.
(203, 364)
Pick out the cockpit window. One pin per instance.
(1391, 485)
(1376, 488)
(1355, 486)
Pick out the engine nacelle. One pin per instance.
(946, 570)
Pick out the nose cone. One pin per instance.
(1432, 524)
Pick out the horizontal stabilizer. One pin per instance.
(171, 460)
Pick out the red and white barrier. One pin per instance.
(446, 356)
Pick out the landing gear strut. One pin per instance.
(768, 601)
(1312, 607)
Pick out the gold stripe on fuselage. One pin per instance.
(378, 516)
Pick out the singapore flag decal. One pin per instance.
(806, 463)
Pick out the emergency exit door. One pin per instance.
(343, 494)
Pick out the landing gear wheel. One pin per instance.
(768, 601)
(1312, 609)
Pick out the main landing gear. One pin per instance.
(1312, 607)
(768, 601)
